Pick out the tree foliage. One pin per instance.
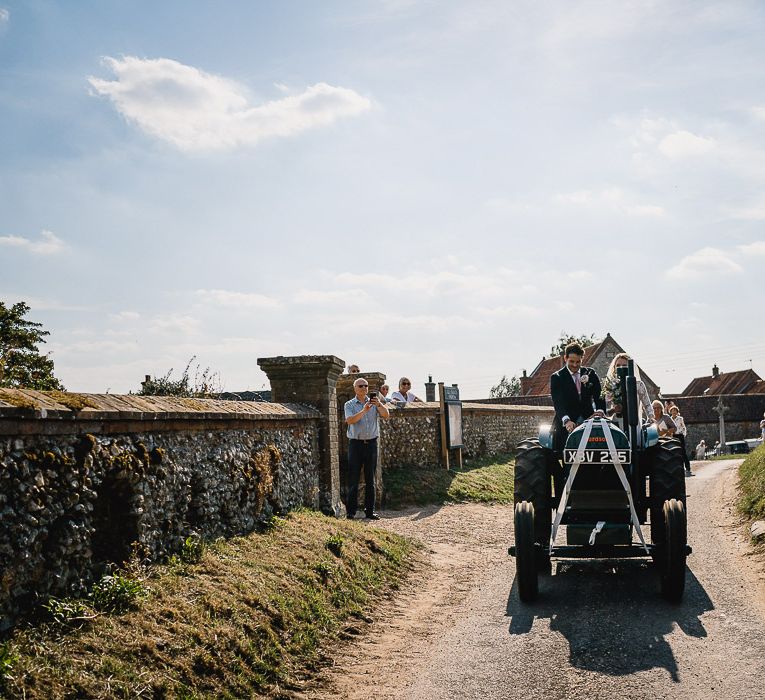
(584, 340)
(506, 387)
(205, 384)
(21, 364)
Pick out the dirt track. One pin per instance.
(458, 630)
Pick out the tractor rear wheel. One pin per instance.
(532, 484)
(674, 551)
(667, 475)
(526, 573)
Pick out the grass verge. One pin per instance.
(488, 480)
(717, 458)
(246, 619)
(751, 502)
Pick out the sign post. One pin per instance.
(451, 422)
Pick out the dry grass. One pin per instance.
(248, 619)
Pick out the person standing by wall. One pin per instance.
(362, 418)
(762, 428)
(403, 395)
(664, 424)
(384, 398)
(680, 432)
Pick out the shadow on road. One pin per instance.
(612, 614)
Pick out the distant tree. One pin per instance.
(21, 364)
(583, 340)
(506, 387)
(205, 384)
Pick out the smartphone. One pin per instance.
(372, 394)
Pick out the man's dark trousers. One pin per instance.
(361, 453)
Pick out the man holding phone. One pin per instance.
(361, 416)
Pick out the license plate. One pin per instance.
(596, 456)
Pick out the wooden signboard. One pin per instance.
(451, 422)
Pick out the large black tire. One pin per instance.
(526, 573)
(674, 552)
(667, 481)
(532, 484)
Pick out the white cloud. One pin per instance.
(579, 275)
(44, 303)
(511, 311)
(194, 110)
(756, 248)
(175, 323)
(684, 144)
(341, 297)
(759, 112)
(238, 300)
(50, 243)
(611, 199)
(753, 213)
(125, 316)
(4, 15)
(703, 263)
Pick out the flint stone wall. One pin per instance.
(742, 419)
(77, 488)
(412, 436)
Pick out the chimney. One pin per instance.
(430, 389)
(715, 372)
(524, 383)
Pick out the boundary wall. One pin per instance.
(79, 487)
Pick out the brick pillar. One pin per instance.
(345, 393)
(312, 380)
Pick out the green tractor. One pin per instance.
(611, 481)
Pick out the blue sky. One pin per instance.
(417, 187)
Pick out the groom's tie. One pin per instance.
(578, 382)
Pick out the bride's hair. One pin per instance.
(612, 367)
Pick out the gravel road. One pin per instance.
(598, 630)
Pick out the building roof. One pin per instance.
(538, 382)
(757, 388)
(724, 383)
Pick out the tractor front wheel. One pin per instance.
(526, 573)
(674, 551)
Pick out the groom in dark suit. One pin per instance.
(575, 394)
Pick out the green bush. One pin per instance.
(325, 569)
(274, 523)
(334, 544)
(192, 550)
(752, 484)
(116, 593)
(7, 659)
(69, 612)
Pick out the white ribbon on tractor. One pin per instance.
(578, 459)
